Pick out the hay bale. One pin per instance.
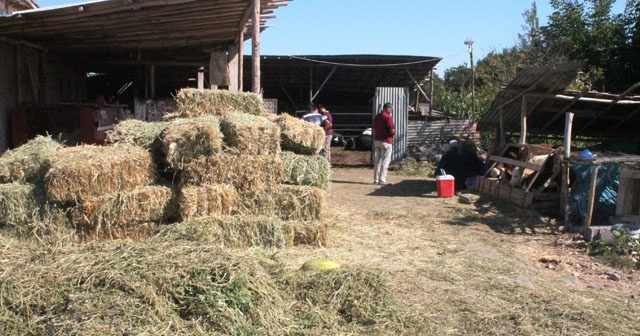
(196, 103)
(299, 136)
(19, 204)
(188, 139)
(136, 132)
(284, 201)
(249, 134)
(244, 172)
(84, 172)
(308, 232)
(206, 200)
(26, 163)
(112, 215)
(306, 170)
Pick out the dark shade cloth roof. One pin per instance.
(595, 114)
(111, 25)
(352, 83)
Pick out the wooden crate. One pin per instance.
(548, 202)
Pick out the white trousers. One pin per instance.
(381, 160)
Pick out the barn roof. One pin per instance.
(596, 114)
(344, 79)
(111, 26)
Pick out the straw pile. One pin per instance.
(306, 170)
(196, 103)
(135, 132)
(186, 140)
(299, 136)
(19, 204)
(26, 163)
(84, 172)
(251, 135)
(285, 202)
(207, 200)
(111, 215)
(244, 172)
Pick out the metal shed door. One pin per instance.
(399, 98)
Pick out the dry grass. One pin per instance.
(26, 163)
(136, 132)
(244, 172)
(83, 172)
(251, 135)
(284, 201)
(117, 215)
(206, 200)
(20, 204)
(196, 103)
(310, 170)
(186, 140)
(299, 136)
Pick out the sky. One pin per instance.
(435, 28)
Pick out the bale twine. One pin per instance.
(196, 103)
(244, 172)
(299, 136)
(306, 170)
(206, 200)
(27, 162)
(83, 172)
(112, 215)
(186, 140)
(284, 201)
(19, 204)
(251, 135)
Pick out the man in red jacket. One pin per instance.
(383, 130)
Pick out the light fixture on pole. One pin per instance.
(469, 42)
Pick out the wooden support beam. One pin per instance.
(592, 195)
(241, 60)
(417, 85)
(565, 109)
(602, 112)
(201, 80)
(523, 121)
(564, 188)
(255, 44)
(323, 83)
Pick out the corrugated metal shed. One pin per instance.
(541, 93)
(435, 133)
(399, 99)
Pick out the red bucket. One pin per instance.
(445, 185)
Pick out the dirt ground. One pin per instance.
(472, 265)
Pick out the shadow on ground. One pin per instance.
(407, 188)
(501, 216)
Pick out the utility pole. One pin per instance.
(469, 42)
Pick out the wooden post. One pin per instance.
(255, 43)
(564, 190)
(201, 79)
(523, 121)
(417, 108)
(592, 194)
(152, 81)
(431, 102)
(241, 61)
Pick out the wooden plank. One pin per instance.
(629, 174)
(523, 120)
(564, 188)
(255, 46)
(592, 195)
(516, 163)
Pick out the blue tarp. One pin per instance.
(606, 193)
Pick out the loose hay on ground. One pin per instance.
(310, 170)
(83, 172)
(244, 172)
(26, 163)
(284, 201)
(206, 200)
(116, 215)
(20, 204)
(299, 136)
(251, 135)
(195, 103)
(186, 140)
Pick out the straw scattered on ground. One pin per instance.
(284, 201)
(310, 170)
(299, 136)
(117, 215)
(186, 140)
(83, 172)
(26, 163)
(244, 172)
(196, 103)
(20, 204)
(206, 200)
(251, 135)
